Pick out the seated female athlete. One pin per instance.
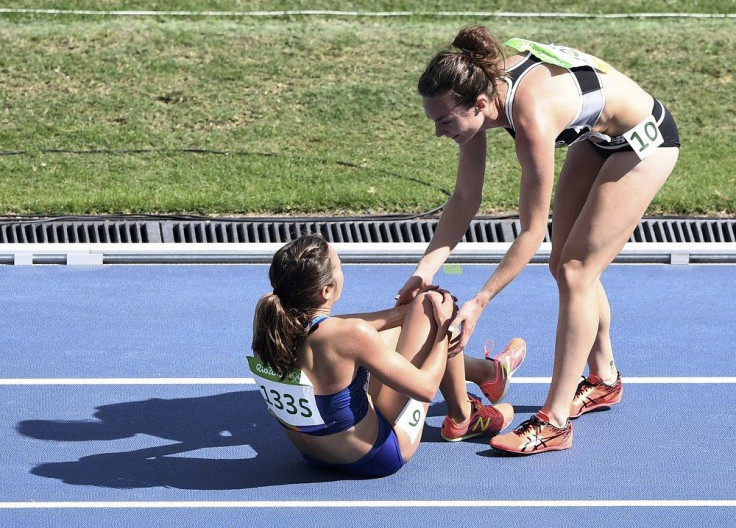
(352, 391)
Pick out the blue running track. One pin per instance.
(125, 400)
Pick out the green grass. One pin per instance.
(317, 115)
(508, 6)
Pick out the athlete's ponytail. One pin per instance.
(470, 69)
(298, 273)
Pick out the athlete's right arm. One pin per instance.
(455, 219)
(363, 345)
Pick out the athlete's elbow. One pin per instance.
(430, 387)
(425, 397)
(539, 236)
(535, 234)
(427, 392)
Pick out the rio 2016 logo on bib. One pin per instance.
(291, 400)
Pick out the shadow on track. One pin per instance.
(221, 421)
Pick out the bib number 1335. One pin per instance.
(294, 405)
(290, 399)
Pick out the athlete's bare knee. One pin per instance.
(571, 276)
(421, 304)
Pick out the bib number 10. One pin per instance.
(645, 137)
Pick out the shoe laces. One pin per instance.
(583, 387)
(488, 348)
(479, 409)
(527, 425)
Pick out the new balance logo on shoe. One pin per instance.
(484, 420)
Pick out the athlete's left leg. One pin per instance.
(617, 201)
(579, 172)
(414, 341)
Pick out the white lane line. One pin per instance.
(382, 504)
(647, 380)
(250, 381)
(127, 381)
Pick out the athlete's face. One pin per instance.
(337, 275)
(458, 123)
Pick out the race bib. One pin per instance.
(645, 137)
(559, 55)
(291, 400)
(411, 419)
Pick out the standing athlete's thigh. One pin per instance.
(577, 176)
(616, 203)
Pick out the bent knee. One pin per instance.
(573, 275)
(421, 303)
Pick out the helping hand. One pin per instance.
(413, 287)
(444, 305)
(466, 320)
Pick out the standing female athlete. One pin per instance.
(313, 368)
(623, 144)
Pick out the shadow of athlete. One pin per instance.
(223, 420)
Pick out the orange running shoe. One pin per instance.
(593, 394)
(535, 435)
(507, 362)
(484, 420)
